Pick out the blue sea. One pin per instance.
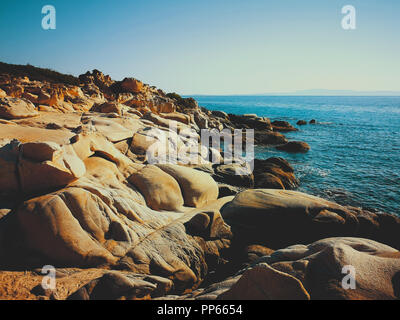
(355, 144)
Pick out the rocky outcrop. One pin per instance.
(198, 188)
(333, 268)
(109, 182)
(14, 108)
(261, 215)
(342, 268)
(294, 147)
(161, 191)
(282, 126)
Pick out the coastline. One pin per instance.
(86, 200)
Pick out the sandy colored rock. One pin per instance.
(198, 188)
(161, 191)
(319, 266)
(132, 85)
(42, 167)
(265, 283)
(279, 218)
(109, 107)
(15, 108)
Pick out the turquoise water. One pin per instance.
(355, 145)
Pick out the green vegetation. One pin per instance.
(35, 73)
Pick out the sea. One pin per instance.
(355, 144)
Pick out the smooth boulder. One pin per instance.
(15, 108)
(161, 191)
(198, 188)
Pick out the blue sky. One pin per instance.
(212, 47)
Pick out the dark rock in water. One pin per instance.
(274, 173)
(301, 122)
(269, 138)
(282, 126)
(250, 121)
(312, 121)
(269, 181)
(294, 147)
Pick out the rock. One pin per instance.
(3, 94)
(200, 119)
(102, 221)
(282, 126)
(274, 173)
(225, 190)
(183, 118)
(260, 215)
(109, 107)
(198, 188)
(43, 166)
(220, 114)
(113, 286)
(132, 85)
(265, 283)
(324, 265)
(15, 108)
(234, 174)
(269, 138)
(161, 191)
(263, 215)
(251, 121)
(294, 147)
(269, 181)
(301, 122)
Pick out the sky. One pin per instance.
(212, 46)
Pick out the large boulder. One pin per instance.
(101, 220)
(342, 268)
(330, 269)
(235, 174)
(161, 191)
(269, 138)
(35, 167)
(282, 126)
(274, 173)
(294, 147)
(198, 188)
(278, 218)
(132, 85)
(15, 108)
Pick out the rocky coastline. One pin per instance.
(78, 192)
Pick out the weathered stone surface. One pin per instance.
(110, 107)
(278, 218)
(282, 126)
(198, 188)
(15, 108)
(261, 215)
(161, 191)
(274, 173)
(294, 147)
(43, 166)
(132, 85)
(319, 266)
(269, 138)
